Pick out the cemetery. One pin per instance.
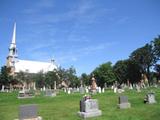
(66, 106)
(79, 60)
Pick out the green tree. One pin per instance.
(145, 58)
(4, 76)
(121, 71)
(72, 78)
(127, 70)
(50, 77)
(69, 76)
(25, 77)
(156, 48)
(133, 71)
(104, 74)
(157, 69)
(39, 79)
(85, 79)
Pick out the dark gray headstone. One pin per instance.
(27, 111)
(123, 102)
(82, 107)
(123, 99)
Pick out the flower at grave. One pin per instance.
(86, 97)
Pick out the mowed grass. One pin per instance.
(65, 107)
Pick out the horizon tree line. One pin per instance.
(142, 61)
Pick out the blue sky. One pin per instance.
(82, 33)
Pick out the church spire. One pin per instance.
(13, 43)
(11, 59)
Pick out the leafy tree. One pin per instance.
(62, 73)
(69, 76)
(133, 71)
(25, 78)
(39, 79)
(127, 70)
(50, 77)
(85, 79)
(121, 71)
(104, 74)
(72, 78)
(156, 48)
(145, 58)
(4, 76)
(157, 69)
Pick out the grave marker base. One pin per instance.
(38, 118)
(90, 114)
(124, 105)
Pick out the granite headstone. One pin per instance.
(123, 102)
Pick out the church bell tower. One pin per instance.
(12, 56)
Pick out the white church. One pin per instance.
(16, 65)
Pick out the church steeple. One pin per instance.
(11, 59)
(13, 43)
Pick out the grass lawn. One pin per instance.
(65, 107)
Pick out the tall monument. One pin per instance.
(94, 85)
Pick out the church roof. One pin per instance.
(34, 66)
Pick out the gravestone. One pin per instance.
(123, 102)
(2, 90)
(25, 94)
(130, 87)
(94, 85)
(55, 87)
(102, 90)
(28, 112)
(74, 90)
(69, 91)
(99, 90)
(87, 91)
(65, 90)
(50, 93)
(89, 108)
(120, 90)
(115, 89)
(37, 92)
(150, 98)
(138, 88)
(82, 90)
(44, 88)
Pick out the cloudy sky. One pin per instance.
(82, 33)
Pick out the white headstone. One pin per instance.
(41, 89)
(77, 89)
(65, 90)
(69, 91)
(2, 88)
(55, 85)
(112, 87)
(44, 88)
(131, 87)
(102, 90)
(34, 87)
(99, 90)
(87, 90)
(115, 90)
(138, 88)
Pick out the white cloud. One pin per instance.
(73, 54)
